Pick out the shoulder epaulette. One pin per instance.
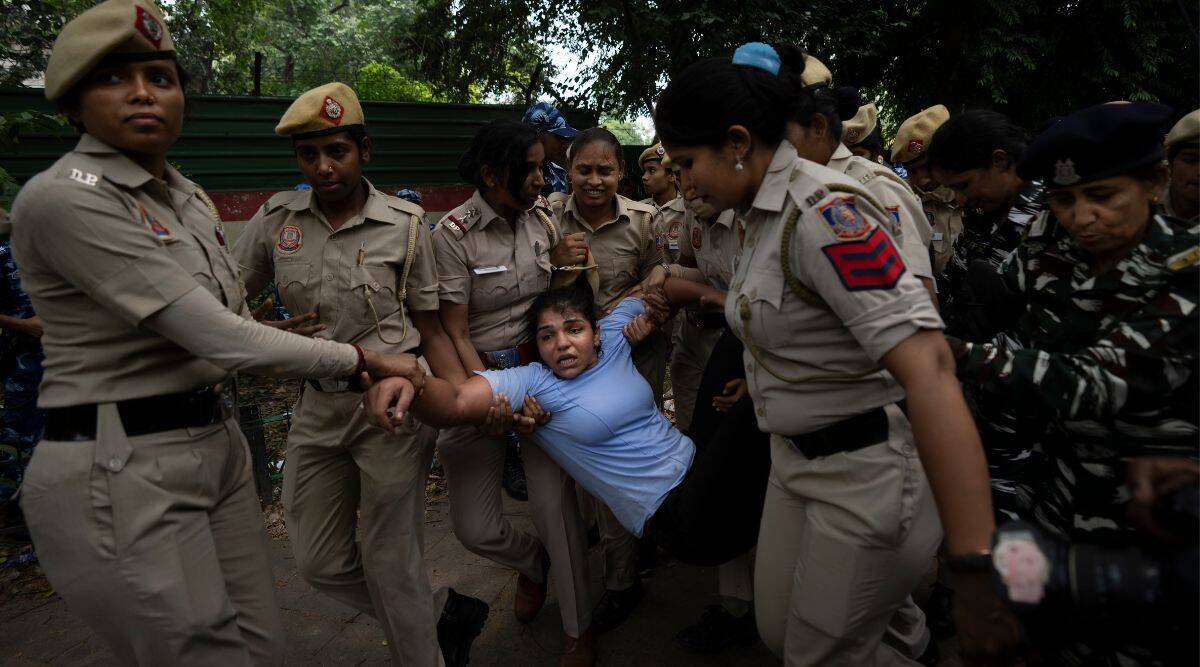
(81, 170)
(280, 199)
(639, 206)
(404, 206)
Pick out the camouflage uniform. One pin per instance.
(21, 366)
(1109, 367)
(973, 297)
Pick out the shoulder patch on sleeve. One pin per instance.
(453, 223)
(1183, 260)
(843, 219)
(870, 263)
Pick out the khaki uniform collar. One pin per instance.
(622, 211)
(772, 192)
(725, 218)
(840, 157)
(123, 171)
(375, 208)
(486, 213)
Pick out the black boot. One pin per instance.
(514, 474)
(616, 606)
(717, 630)
(461, 622)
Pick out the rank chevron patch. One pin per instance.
(870, 263)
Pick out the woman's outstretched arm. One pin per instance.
(440, 404)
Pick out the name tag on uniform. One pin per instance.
(484, 270)
(937, 236)
(673, 244)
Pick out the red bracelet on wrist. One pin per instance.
(362, 361)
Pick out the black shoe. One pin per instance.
(616, 606)
(717, 630)
(461, 622)
(514, 474)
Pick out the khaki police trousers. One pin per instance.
(844, 540)
(157, 542)
(343, 476)
(693, 345)
(474, 465)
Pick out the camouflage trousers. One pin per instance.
(21, 421)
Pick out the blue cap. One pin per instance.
(757, 54)
(1097, 142)
(303, 186)
(545, 118)
(410, 195)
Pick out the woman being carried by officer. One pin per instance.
(139, 498)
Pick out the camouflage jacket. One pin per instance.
(986, 242)
(1108, 362)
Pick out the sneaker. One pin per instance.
(717, 630)
(616, 606)
(514, 474)
(461, 622)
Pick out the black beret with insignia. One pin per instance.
(1097, 142)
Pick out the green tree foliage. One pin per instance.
(1032, 59)
(626, 131)
(27, 32)
(380, 81)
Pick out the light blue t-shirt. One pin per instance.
(604, 428)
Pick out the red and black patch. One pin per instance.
(870, 263)
(149, 26)
(697, 239)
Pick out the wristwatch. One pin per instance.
(979, 562)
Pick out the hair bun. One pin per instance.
(848, 101)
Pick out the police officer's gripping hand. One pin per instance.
(1150, 478)
(988, 633)
(387, 400)
(302, 325)
(394, 365)
(638, 330)
(531, 416)
(572, 250)
(733, 392)
(500, 418)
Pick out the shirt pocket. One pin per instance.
(291, 278)
(192, 258)
(378, 284)
(760, 309)
(493, 291)
(623, 272)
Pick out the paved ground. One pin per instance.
(324, 632)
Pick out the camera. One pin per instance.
(1140, 591)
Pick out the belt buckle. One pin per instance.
(502, 359)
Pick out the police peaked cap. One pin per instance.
(1097, 142)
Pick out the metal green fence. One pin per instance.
(229, 143)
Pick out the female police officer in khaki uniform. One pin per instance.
(494, 259)
(353, 495)
(836, 329)
(139, 499)
(941, 206)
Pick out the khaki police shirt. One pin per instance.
(624, 248)
(497, 269)
(103, 245)
(907, 222)
(828, 357)
(317, 268)
(669, 229)
(945, 221)
(714, 246)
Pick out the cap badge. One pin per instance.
(660, 151)
(149, 26)
(852, 135)
(1064, 173)
(332, 111)
(916, 145)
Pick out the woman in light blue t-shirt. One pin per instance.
(605, 429)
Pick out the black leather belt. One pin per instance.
(142, 416)
(857, 432)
